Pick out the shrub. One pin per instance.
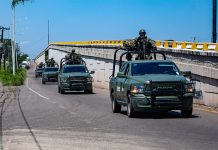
(9, 79)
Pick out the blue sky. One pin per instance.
(80, 20)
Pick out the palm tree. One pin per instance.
(16, 2)
(13, 4)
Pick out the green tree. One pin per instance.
(16, 2)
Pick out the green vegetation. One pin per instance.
(8, 79)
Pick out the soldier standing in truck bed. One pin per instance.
(144, 45)
(141, 44)
(73, 58)
(51, 63)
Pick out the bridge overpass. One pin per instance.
(199, 58)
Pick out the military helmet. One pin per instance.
(142, 32)
(73, 51)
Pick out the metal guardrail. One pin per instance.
(160, 44)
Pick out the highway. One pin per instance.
(40, 118)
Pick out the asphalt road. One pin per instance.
(41, 118)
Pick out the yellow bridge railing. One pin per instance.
(160, 44)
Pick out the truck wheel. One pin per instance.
(88, 91)
(36, 76)
(59, 91)
(43, 82)
(130, 109)
(116, 108)
(186, 113)
(62, 91)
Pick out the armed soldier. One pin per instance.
(41, 65)
(144, 45)
(141, 44)
(73, 58)
(51, 63)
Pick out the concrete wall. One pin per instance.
(56, 54)
(41, 58)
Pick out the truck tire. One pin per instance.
(130, 109)
(116, 108)
(186, 113)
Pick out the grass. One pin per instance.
(8, 79)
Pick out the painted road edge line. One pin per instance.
(27, 85)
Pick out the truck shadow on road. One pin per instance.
(78, 93)
(26, 122)
(159, 115)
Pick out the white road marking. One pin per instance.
(27, 85)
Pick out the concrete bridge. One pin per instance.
(199, 58)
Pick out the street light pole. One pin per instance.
(214, 32)
(48, 33)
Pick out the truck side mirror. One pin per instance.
(92, 72)
(186, 73)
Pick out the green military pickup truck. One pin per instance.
(50, 74)
(144, 85)
(75, 77)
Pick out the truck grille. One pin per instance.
(77, 80)
(166, 88)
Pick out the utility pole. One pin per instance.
(214, 32)
(2, 41)
(3, 29)
(48, 33)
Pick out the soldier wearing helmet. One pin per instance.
(73, 58)
(51, 63)
(144, 45)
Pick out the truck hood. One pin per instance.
(51, 72)
(159, 78)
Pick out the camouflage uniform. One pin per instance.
(141, 44)
(73, 58)
(41, 65)
(51, 63)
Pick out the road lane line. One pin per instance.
(27, 85)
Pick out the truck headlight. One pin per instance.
(90, 80)
(137, 89)
(63, 79)
(189, 88)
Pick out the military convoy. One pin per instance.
(71, 75)
(146, 81)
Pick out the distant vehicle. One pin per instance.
(38, 72)
(75, 77)
(144, 85)
(50, 74)
(25, 64)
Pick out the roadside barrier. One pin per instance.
(160, 44)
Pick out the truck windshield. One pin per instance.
(71, 69)
(51, 69)
(154, 68)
